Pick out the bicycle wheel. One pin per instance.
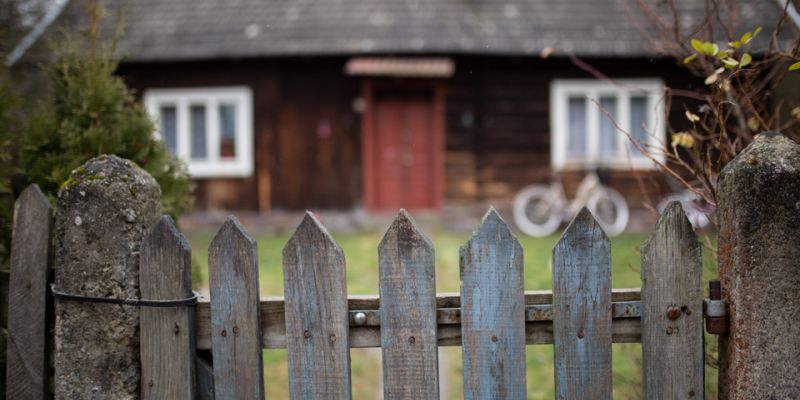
(537, 211)
(610, 210)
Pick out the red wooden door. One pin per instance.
(405, 154)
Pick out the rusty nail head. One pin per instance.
(235, 330)
(176, 329)
(673, 312)
(150, 383)
(306, 334)
(411, 340)
(669, 330)
(333, 338)
(580, 334)
(494, 338)
(224, 333)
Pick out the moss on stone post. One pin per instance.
(103, 212)
(759, 266)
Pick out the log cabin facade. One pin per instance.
(343, 105)
(323, 139)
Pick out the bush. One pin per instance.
(90, 112)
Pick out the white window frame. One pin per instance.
(241, 165)
(591, 89)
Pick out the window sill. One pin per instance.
(583, 165)
(232, 169)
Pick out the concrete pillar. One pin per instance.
(104, 210)
(759, 266)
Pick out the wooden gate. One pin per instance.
(492, 319)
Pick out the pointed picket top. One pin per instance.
(584, 222)
(231, 230)
(672, 216)
(165, 241)
(493, 229)
(33, 198)
(310, 229)
(405, 228)
(164, 232)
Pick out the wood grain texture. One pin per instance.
(317, 322)
(493, 313)
(408, 312)
(235, 316)
(26, 374)
(672, 349)
(582, 311)
(166, 334)
(273, 324)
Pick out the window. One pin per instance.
(584, 137)
(210, 128)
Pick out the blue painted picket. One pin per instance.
(493, 313)
(582, 311)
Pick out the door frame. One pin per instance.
(369, 131)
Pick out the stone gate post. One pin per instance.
(759, 267)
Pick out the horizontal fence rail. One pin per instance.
(626, 312)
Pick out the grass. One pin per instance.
(362, 278)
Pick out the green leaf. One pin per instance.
(689, 59)
(730, 63)
(723, 54)
(710, 49)
(697, 45)
(735, 44)
(745, 60)
(757, 31)
(746, 37)
(794, 66)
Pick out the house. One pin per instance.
(295, 104)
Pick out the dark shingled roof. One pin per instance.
(159, 30)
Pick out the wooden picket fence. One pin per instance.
(493, 318)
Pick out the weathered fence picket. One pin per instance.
(26, 375)
(317, 320)
(235, 314)
(582, 311)
(166, 333)
(408, 312)
(672, 304)
(493, 313)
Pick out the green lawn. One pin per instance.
(362, 278)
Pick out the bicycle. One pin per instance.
(539, 210)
